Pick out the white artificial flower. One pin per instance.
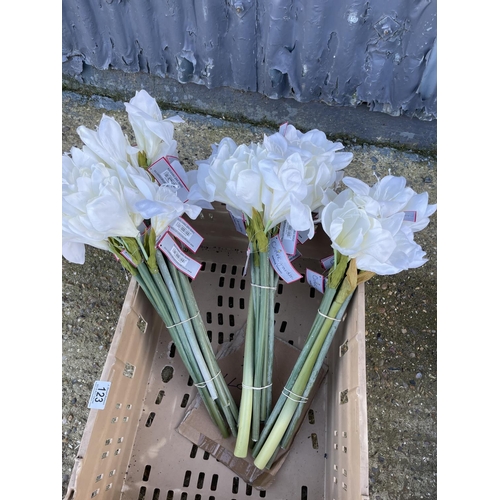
(230, 176)
(75, 233)
(321, 158)
(109, 212)
(93, 207)
(406, 255)
(153, 133)
(322, 162)
(356, 234)
(390, 193)
(108, 143)
(205, 188)
(283, 193)
(382, 244)
(389, 196)
(366, 203)
(418, 211)
(132, 178)
(286, 177)
(314, 146)
(163, 206)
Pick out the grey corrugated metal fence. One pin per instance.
(344, 52)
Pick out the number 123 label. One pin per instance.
(99, 395)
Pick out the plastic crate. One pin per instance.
(131, 450)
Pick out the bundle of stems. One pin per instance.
(283, 423)
(171, 294)
(256, 395)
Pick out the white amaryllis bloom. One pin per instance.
(389, 196)
(163, 206)
(284, 192)
(73, 240)
(315, 144)
(418, 211)
(355, 223)
(323, 163)
(94, 208)
(286, 177)
(108, 143)
(153, 133)
(406, 255)
(356, 234)
(230, 176)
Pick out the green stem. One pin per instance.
(294, 423)
(245, 414)
(225, 398)
(182, 320)
(167, 312)
(268, 392)
(286, 414)
(153, 291)
(261, 341)
(324, 307)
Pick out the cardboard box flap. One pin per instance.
(198, 428)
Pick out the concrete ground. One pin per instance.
(401, 335)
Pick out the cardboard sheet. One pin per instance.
(199, 429)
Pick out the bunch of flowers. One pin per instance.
(372, 232)
(129, 198)
(272, 188)
(111, 201)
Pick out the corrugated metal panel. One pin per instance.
(343, 52)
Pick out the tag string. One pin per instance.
(328, 317)
(266, 287)
(255, 388)
(300, 399)
(185, 321)
(203, 384)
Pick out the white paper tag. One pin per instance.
(179, 259)
(303, 236)
(185, 233)
(295, 256)
(280, 261)
(99, 395)
(165, 173)
(238, 221)
(327, 262)
(315, 280)
(410, 216)
(288, 237)
(128, 257)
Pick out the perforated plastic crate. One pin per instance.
(130, 450)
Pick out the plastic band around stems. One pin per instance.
(328, 317)
(301, 399)
(185, 321)
(203, 384)
(267, 287)
(255, 388)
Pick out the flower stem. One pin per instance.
(168, 313)
(259, 281)
(180, 318)
(225, 398)
(295, 397)
(245, 414)
(268, 392)
(324, 307)
(292, 427)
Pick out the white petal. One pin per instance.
(73, 252)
